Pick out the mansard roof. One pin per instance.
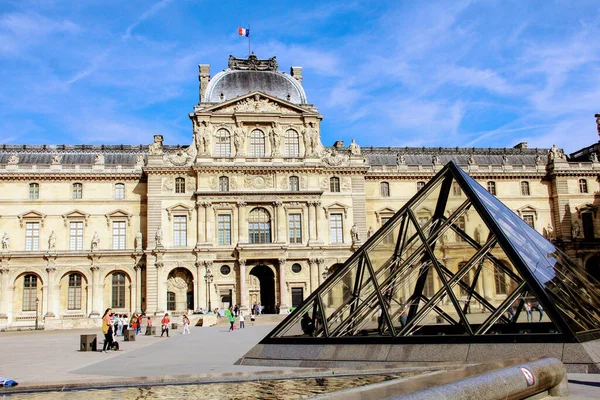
(249, 75)
(73, 154)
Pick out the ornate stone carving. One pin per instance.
(167, 184)
(370, 232)
(275, 139)
(156, 148)
(139, 160)
(539, 159)
(555, 154)
(354, 148)
(258, 181)
(575, 230)
(256, 104)
(311, 138)
(52, 241)
(400, 159)
(240, 204)
(56, 159)
(333, 158)
(190, 184)
(597, 123)
(594, 157)
(354, 234)
(180, 157)
(95, 241)
(158, 237)
(214, 182)
(435, 160)
(471, 159)
(252, 63)
(99, 159)
(346, 184)
(13, 159)
(138, 241)
(5, 241)
(202, 135)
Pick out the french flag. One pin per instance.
(244, 32)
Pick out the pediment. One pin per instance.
(257, 102)
(587, 207)
(384, 211)
(179, 208)
(527, 209)
(29, 215)
(116, 214)
(336, 206)
(76, 214)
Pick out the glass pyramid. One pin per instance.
(453, 265)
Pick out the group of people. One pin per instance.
(122, 322)
(235, 312)
(528, 311)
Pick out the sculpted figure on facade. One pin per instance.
(354, 148)
(56, 159)
(239, 138)
(555, 154)
(202, 133)
(549, 232)
(5, 241)
(52, 241)
(13, 159)
(400, 159)
(435, 160)
(275, 138)
(575, 230)
(156, 148)
(180, 157)
(504, 160)
(99, 159)
(370, 232)
(95, 241)
(158, 237)
(138, 241)
(354, 234)
(139, 159)
(539, 159)
(598, 123)
(311, 138)
(471, 159)
(594, 157)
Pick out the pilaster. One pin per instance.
(283, 307)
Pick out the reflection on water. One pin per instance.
(281, 389)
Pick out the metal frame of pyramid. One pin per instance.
(384, 292)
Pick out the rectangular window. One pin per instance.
(34, 191)
(336, 228)
(525, 188)
(460, 222)
(74, 292)
(29, 292)
(32, 236)
(295, 228)
(179, 230)
(529, 220)
(297, 296)
(224, 229)
(389, 238)
(499, 280)
(456, 189)
(76, 235)
(77, 190)
(491, 186)
(465, 280)
(119, 235)
(119, 191)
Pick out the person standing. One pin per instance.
(186, 324)
(149, 326)
(125, 322)
(107, 329)
(541, 311)
(252, 317)
(120, 326)
(529, 312)
(231, 321)
(139, 324)
(241, 317)
(165, 325)
(133, 323)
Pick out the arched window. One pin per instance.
(118, 290)
(222, 143)
(384, 189)
(257, 143)
(119, 191)
(34, 191)
(294, 184)
(583, 186)
(223, 184)
(29, 292)
(179, 185)
(74, 292)
(259, 226)
(171, 301)
(291, 144)
(420, 185)
(77, 190)
(334, 184)
(491, 186)
(525, 188)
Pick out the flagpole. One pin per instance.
(249, 40)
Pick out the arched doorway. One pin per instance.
(180, 290)
(592, 266)
(266, 280)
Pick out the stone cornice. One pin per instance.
(245, 194)
(426, 175)
(61, 175)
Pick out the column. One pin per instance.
(138, 288)
(243, 301)
(281, 222)
(314, 274)
(160, 290)
(210, 217)
(52, 293)
(311, 221)
(4, 310)
(198, 289)
(319, 216)
(283, 308)
(242, 227)
(321, 270)
(200, 216)
(96, 303)
(488, 283)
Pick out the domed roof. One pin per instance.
(249, 75)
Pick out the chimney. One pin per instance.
(204, 78)
(296, 73)
(522, 145)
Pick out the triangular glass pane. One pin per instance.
(424, 208)
(337, 298)
(563, 281)
(304, 322)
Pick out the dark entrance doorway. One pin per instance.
(588, 225)
(266, 279)
(592, 267)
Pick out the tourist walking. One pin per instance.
(231, 321)
(165, 325)
(529, 312)
(139, 323)
(241, 317)
(133, 323)
(107, 329)
(541, 311)
(252, 317)
(120, 326)
(186, 324)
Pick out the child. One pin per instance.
(252, 317)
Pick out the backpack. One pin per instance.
(114, 346)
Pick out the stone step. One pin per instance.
(264, 319)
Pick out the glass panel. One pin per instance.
(337, 298)
(305, 322)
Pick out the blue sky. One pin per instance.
(386, 73)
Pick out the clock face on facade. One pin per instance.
(259, 182)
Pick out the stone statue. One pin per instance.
(13, 159)
(370, 232)
(471, 159)
(477, 234)
(555, 153)
(435, 160)
(138, 241)
(52, 241)
(549, 232)
(594, 157)
(239, 137)
(158, 237)
(354, 234)
(202, 135)
(539, 159)
(400, 159)
(95, 241)
(56, 159)
(99, 159)
(575, 230)
(5, 241)
(139, 159)
(275, 139)
(354, 148)
(311, 138)
(598, 123)
(156, 148)
(504, 159)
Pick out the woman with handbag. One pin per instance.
(165, 325)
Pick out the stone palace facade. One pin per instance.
(255, 210)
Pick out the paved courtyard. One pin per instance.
(53, 357)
